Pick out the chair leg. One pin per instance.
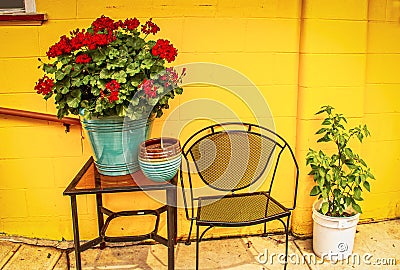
(197, 246)
(265, 229)
(287, 242)
(187, 242)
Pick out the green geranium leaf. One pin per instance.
(98, 57)
(137, 43)
(84, 103)
(179, 90)
(93, 80)
(76, 93)
(58, 97)
(49, 68)
(95, 91)
(133, 68)
(113, 53)
(120, 110)
(73, 102)
(134, 101)
(118, 63)
(120, 76)
(152, 101)
(105, 74)
(147, 63)
(59, 75)
(76, 82)
(151, 43)
(64, 90)
(67, 69)
(86, 80)
(75, 71)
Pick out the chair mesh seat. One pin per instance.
(239, 209)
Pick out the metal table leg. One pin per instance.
(76, 232)
(171, 225)
(100, 218)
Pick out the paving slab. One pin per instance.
(33, 258)
(7, 250)
(62, 263)
(128, 257)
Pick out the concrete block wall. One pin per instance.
(346, 56)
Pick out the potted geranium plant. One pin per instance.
(110, 73)
(340, 178)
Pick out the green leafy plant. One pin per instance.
(102, 70)
(341, 177)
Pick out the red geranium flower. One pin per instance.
(61, 47)
(44, 85)
(113, 96)
(83, 59)
(104, 23)
(165, 50)
(113, 85)
(131, 24)
(149, 89)
(150, 27)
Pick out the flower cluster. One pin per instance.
(165, 50)
(149, 89)
(103, 23)
(83, 59)
(150, 27)
(99, 70)
(44, 85)
(113, 86)
(165, 80)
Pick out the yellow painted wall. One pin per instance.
(347, 56)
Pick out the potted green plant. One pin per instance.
(116, 80)
(340, 178)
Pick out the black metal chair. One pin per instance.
(230, 158)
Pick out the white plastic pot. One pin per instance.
(333, 237)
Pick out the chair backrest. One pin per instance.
(233, 156)
(231, 160)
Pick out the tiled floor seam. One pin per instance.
(56, 260)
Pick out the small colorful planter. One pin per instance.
(160, 158)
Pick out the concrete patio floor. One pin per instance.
(376, 244)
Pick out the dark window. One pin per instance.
(12, 4)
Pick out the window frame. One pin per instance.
(28, 16)
(29, 7)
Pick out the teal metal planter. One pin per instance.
(115, 143)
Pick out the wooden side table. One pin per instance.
(90, 181)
